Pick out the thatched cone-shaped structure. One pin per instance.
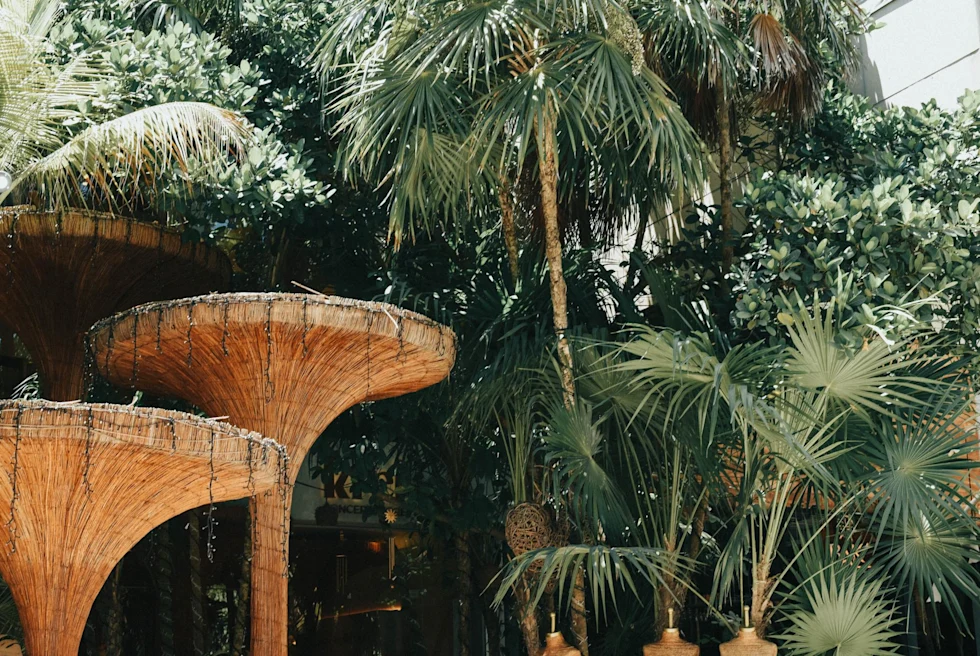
(84, 483)
(284, 365)
(60, 272)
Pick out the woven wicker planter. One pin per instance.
(671, 644)
(60, 272)
(284, 365)
(84, 483)
(748, 643)
(555, 645)
(528, 527)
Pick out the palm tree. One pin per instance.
(758, 58)
(50, 155)
(787, 442)
(446, 105)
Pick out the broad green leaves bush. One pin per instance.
(279, 182)
(875, 209)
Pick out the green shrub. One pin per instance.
(875, 208)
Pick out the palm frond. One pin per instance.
(574, 443)
(873, 380)
(609, 572)
(117, 161)
(840, 607)
(693, 37)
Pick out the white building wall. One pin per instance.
(923, 49)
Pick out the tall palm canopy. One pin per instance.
(441, 103)
(52, 153)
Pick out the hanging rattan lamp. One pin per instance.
(671, 643)
(748, 642)
(82, 484)
(284, 365)
(60, 272)
(555, 645)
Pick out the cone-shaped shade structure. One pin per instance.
(63, 271)
(284, 365)
(84, 483)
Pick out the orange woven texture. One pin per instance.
(555, 645)
(747, 643)
(284, 365)
(84, 483)
(60, 272)
(671, 644)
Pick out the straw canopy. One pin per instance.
(84, 483)
(282, 364)
(65, 270)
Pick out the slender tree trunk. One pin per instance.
(528, 617)
(725, 187)
(922, 616)
(548, 164)
(244, 587)
(761, 593)
(114, 646)
(492, 622)
(279, 262)
(165, 592)
(464, 590)
(673, 592)
(637, 252)
(509, 228)
(548, 171)
(197, 590)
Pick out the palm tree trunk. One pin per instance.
(509, 228)
(548, 165)
(114, 646)
(244, 587)
(464, 573)
(165, 592)
(197, 590)
(548, 173)
(725, 186)
(528, 617)
(633, 269)
(762, 585)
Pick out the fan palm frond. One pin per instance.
(841, 610)
(873, 380)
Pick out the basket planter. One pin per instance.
(748, 643)
(528, 526)
(671, 644)
(555, 645)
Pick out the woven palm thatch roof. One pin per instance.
(63, 271)
(82, 484)
(282, 364)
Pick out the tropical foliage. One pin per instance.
(56, 156)
(778, 420)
